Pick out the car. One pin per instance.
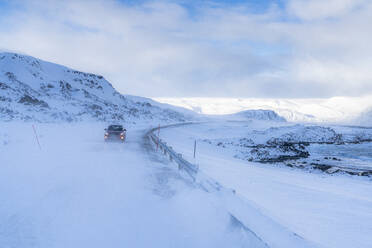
(115, 133)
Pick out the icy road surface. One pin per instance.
(330, 210)
(79, 192)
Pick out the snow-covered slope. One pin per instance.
(32, 89)
(365, 118)
(259, 114)
(333, 109)
(330, 210)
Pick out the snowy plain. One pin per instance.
(328, 210)
(78, 191)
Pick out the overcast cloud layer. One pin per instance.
(298, 48)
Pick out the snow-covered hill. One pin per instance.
(259, 114)
(335, 109)
(365, 118)
(32, 89)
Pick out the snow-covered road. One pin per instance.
(79, 192)
(330, 210)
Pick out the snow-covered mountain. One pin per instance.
(32, 89)
(335, 109)
(254, 114)
(365, 118)
(260, 114)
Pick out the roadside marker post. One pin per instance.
(157, 143)
(194, 148)
(37, 139)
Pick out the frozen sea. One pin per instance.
(350, 154)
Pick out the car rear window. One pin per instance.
(115, 128)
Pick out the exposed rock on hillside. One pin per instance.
(32, 89)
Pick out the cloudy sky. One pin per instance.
(205, 48)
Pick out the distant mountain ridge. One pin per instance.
(333, 110)
(257, 114)
(32, 89)
(365, 118)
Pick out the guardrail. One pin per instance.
(235, 202)
(192, 170)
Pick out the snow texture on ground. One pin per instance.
(288, 142)
(78, 191)
(330, 210)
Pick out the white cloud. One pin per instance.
(158, 49)
(320, 9)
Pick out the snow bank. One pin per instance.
(261, 229)
(329, 210)
(78, 191)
